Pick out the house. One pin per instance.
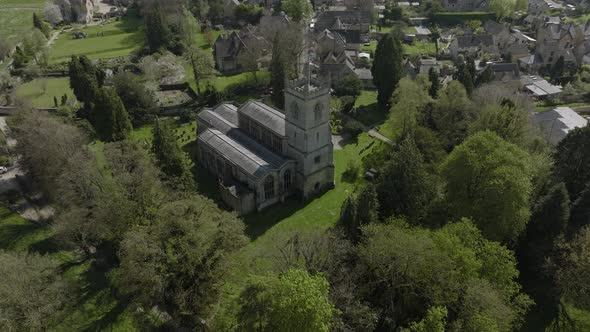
(336, 65)
(465, 5)
(473, 45)
(506, 72)
(233, 52)
(328, 41)
(543, 6)
(562, 39)
(530, 63)
(261, 155)
(424, 65)
(344, 20)
(539, 88)
(422, 33)
(499, 32)
(555, 124)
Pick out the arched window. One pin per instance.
(287, 180)
(295, 110)
(269, 187)
(318, 112)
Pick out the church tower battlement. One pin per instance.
(307, 115)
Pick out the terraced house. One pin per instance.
(262, 155)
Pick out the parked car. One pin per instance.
(3, 169)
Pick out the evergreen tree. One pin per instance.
(557, 70)
(278, 75)
(580, 213)
(405, 187)
(434, 83)
(369, 205)
(85, 78)
(387, 67)
(548, 223)
(37, 22)
(19, 58)
(466, 75)
(157, 29)
(169, 155)
(486, 76)
(111, 120)
(348, 219)
(572, 160)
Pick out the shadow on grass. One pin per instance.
(12, 234)
(258, 223)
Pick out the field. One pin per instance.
(111, 40)
(42, 90)
(16, 17)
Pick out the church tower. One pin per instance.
(307, 114)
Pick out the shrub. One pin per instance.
(349, 85)
(347, 103)
(353, 128)
(351, 173)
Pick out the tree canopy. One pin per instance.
(387, 67)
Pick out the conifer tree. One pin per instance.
(580, 213)
(348, 219)
(111, 120)
(278, 75)
(157, 30)
(368, 205)
(169, 155)
(434, 83)
(387, 67)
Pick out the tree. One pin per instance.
(557, 70)
(41, 26)
(169, 156)
(506, 120)
(5, 48)
(405, 272)
(405, 187)
(489, 180)
(572, 163)
(465, 74)
(190, 239)
(110, 119)
(349, 85)
(85, 78)
(277, 74)
(580, 212)
(139, 101)
(298, 10)
(452, 114)
(486, 76)
(348, 219)
(387, 67)
(548, 224)
(201, 63)
(31, 290)
(295, 301)
(503, 8)
(249, 14)
(157, 30)
(19, 59)
(434, 83)
(435, 321)
(573, 268)
(367, 199)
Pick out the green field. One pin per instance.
(42, 90)
(16, 17)
(420, 48)
(111, 40)
(367, 112)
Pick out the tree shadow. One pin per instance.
(12, 234)
(258, 223)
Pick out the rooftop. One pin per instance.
(556, 123)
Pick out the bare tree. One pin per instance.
(53, 14)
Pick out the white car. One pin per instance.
(3, 169)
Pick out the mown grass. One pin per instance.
(366, 109)
(16, 17)
(111, 40)
(272, 228)
(42, 90)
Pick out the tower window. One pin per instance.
(317, 159)
(318, 112)
(269, 187)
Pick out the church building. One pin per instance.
(262, 155)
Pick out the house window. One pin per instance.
(269, 187)
(317, 159)
(287, 180)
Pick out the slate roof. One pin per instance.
(539, 87)
(267, 116)
(556, 123)
(504, 67)
(327, 19)
(475, 40)
(493, 27)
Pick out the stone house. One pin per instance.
(465, 5)
(344, 20)
(563, 39)
(233, 52)
(473, 45)
(262, 155)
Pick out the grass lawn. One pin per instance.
(420, 48)
(111, 40)
(16, 17)
(366, 105)
(371, 48)
(42, 90)
(221, 82)
(271, 228)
